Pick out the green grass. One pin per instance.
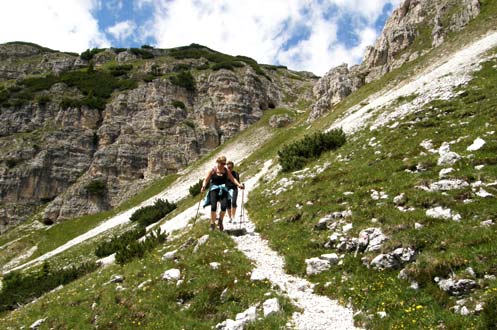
(195, 304)
(443, 246)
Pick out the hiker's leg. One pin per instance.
(213, 197)
(233, 202)
(228, 209)
(224, 205)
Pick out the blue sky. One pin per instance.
(311, 35)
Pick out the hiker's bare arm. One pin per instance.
(234, 180)
(206, 180)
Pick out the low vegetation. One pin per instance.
(148, 215)
(144, 300)
(394, 162)
(184, 79)
(119, 242)
(195, 189)
(19, 288)
(294, 156)
(95, 85)
(137, 249)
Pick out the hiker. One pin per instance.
(233, 192)
(218, 177)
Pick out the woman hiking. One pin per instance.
(233, 192)
(218, 177)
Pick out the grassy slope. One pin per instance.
(195, 304)
(444, 247)
(369, 290)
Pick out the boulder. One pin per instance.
(447, 157)
(37, 324)
(271, 306)
(443, 213)
(169, 255)
(476, 145)
(173, 274)
(457, 287)
(316, 266)
(201, 241)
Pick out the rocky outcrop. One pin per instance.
(19, 59)
(337, 84)
(413, 28)
(82, 160)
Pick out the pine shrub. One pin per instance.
(178, 104)
(184, 79)
(96, 188)
(145, 54)
(151, 214)
(294, 156)
(137, 249)
(89, 54)
(20, 288)
(119, 242)
(195, 189)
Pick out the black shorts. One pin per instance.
(221, 198)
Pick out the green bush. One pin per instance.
(181, 67)
(89, 54)
(119, 242)
(19, 288)
(138, 249)
(147, 47)
(151, 214)
(178, 104)
(184, 79)
(145, 54)
(96, 188)
(120, 70)
(118, 50)
(227, 65)
(294, 156)
(198, 51)
(195, 189)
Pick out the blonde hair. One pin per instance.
(221, 159)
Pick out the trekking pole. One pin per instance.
(241, 211)
(198, 208)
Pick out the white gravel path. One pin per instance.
(436, 82)
(179, 189)
(319, 312)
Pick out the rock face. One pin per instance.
(56, 155)
(413, 28)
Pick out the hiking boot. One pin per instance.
(220, 224)
(212, 226)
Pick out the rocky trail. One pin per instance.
(318, 312)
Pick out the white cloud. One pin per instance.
(66, 25)
(122, 30)
(261, 28)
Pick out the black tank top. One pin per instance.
(219, 179)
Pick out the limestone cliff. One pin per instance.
(65, 150)
(414, 27)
